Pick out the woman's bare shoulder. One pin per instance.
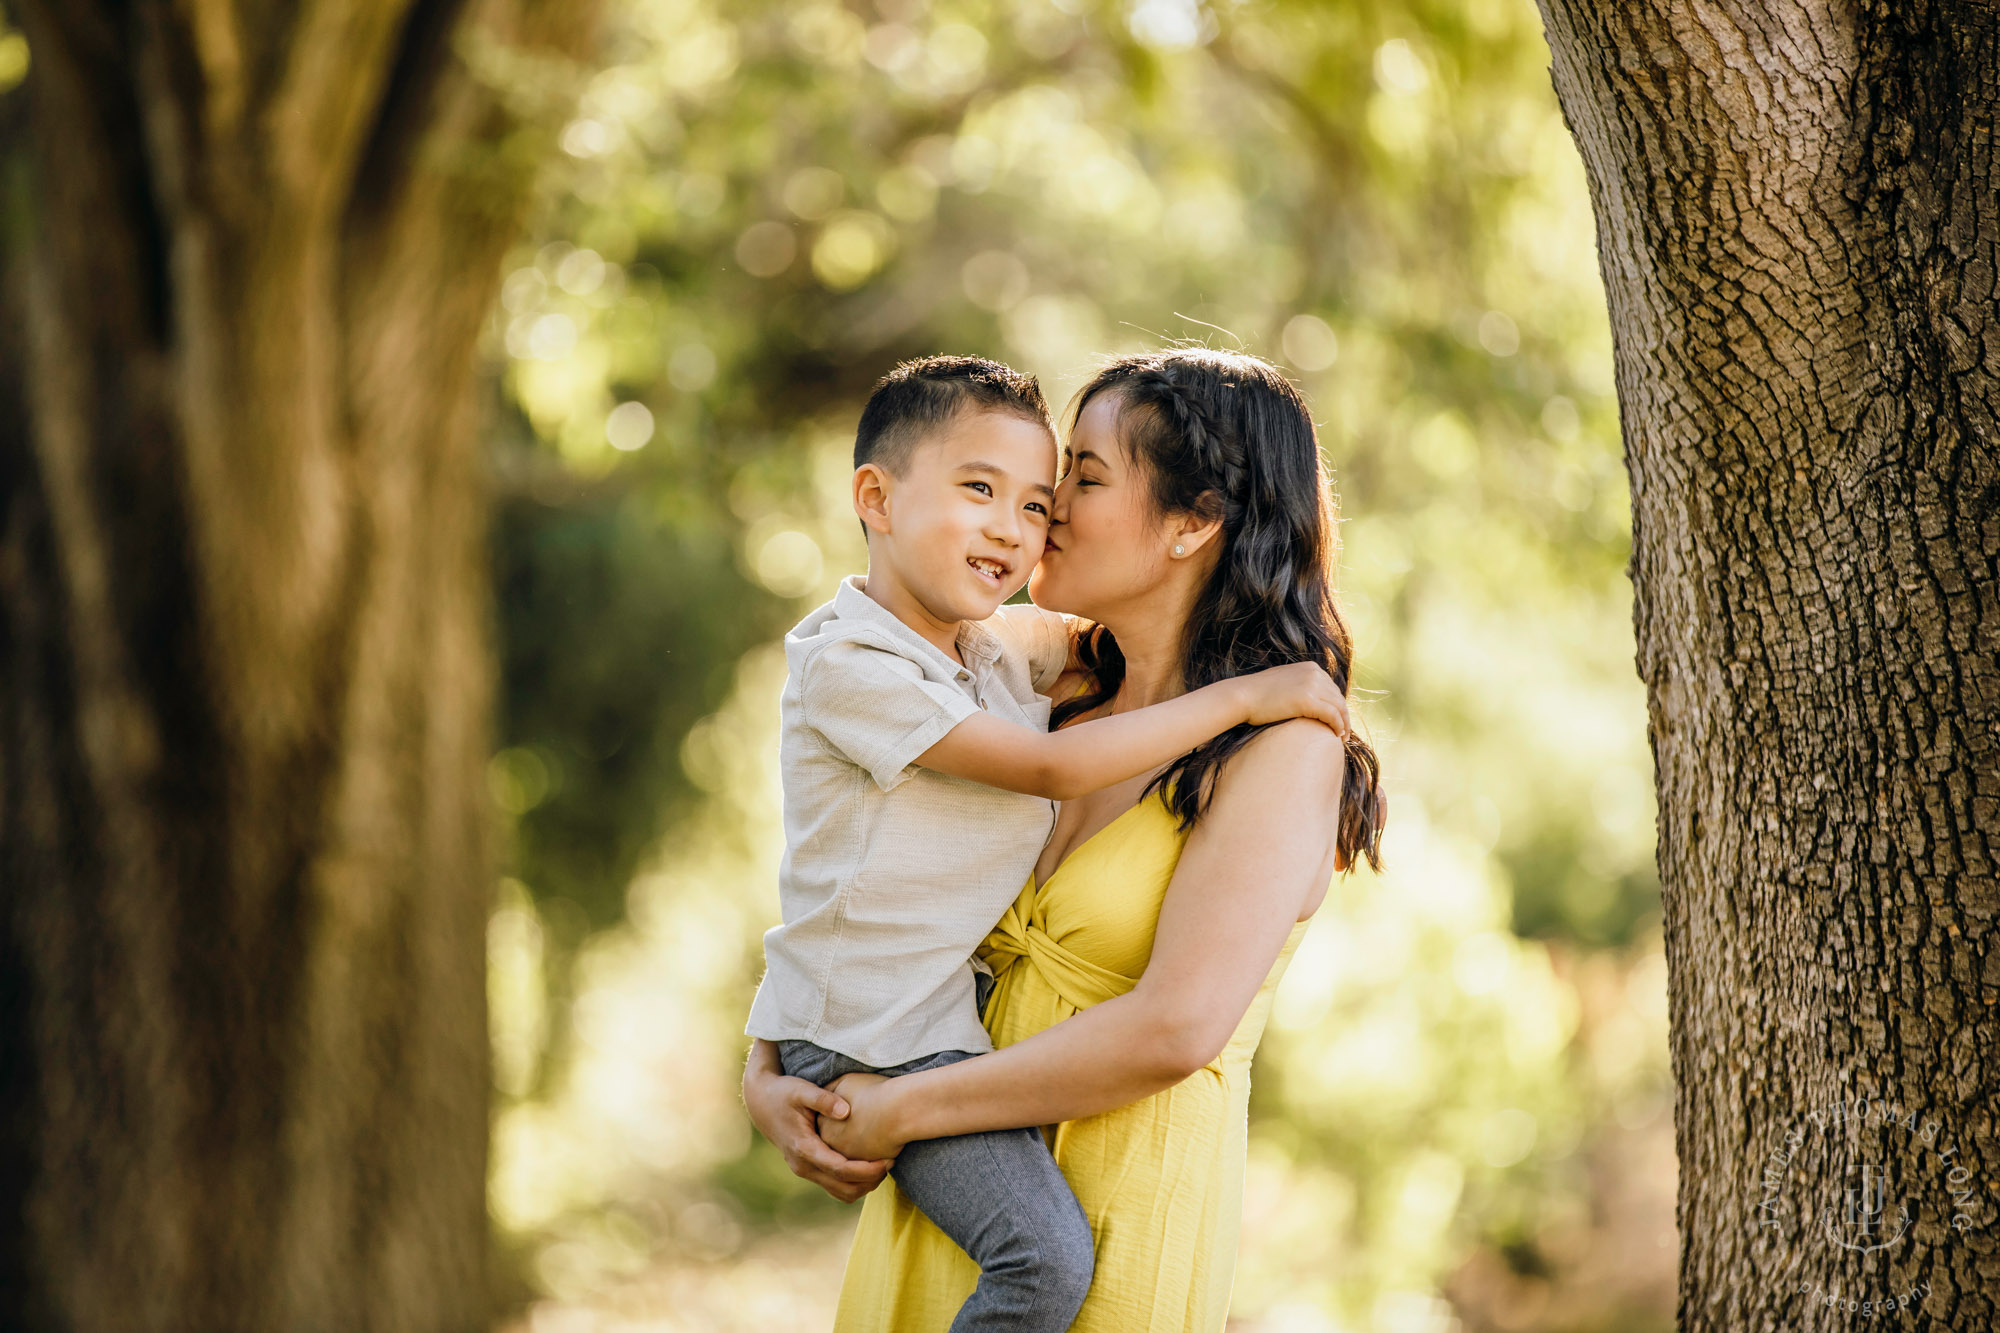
(1300, 740)
(1297, 759)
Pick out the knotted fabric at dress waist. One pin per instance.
(1023, 934)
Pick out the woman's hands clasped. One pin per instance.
(786, 1111)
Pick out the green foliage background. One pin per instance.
(755, 210)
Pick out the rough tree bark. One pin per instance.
(244, 674)
(1798, 213)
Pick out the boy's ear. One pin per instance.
(872, 485)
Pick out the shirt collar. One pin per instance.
(852, 602)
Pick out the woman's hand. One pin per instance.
(784, 1110)
(867, 1130)
(1301, 689)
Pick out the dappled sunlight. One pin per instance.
(1459, 1114)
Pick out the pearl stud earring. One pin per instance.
(1179, 549)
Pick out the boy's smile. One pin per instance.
(993, 570)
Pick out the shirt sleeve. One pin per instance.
(1043, 636)
(876, 707)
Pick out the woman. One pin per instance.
(1135, 971)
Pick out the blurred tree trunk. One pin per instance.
(244, 675)
(1799, 231)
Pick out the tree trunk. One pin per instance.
(1799, 231)
(244, 676)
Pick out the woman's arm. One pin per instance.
(1257, 859)
(1064, 764)
(784, 1109)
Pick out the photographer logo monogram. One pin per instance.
(1860, 1226)
(1890, 1170)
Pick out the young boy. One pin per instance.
(919, 779)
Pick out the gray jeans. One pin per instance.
(999, 1195)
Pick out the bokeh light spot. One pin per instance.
(581, 272)
(1399, 69)
(699, 56)
(1560, 419)
(13, 59)
(995, 279)
(813, 192)
(766, 249)
(1309, 343)
(552, 337)
(973, 161)
(850, 249)
(691, 368)
(1170, 25)
(956, 57)
(585, 137)
(629, 426)
(908, 193)
(523, 290)
(1498, 333)
(699, 194)
(518, 779)
(789, 563)
(1507, 1137)
(892, 48)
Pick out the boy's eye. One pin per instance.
(1038, 507)
(984, 488)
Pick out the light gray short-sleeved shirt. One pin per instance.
(893, 873)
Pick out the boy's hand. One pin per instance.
(865, 1133)
(1301, 689)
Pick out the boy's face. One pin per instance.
(967, 519)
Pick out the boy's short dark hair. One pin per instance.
(924, 395)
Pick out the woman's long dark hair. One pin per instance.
(1225, 435)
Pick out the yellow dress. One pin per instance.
(1161, 1180)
